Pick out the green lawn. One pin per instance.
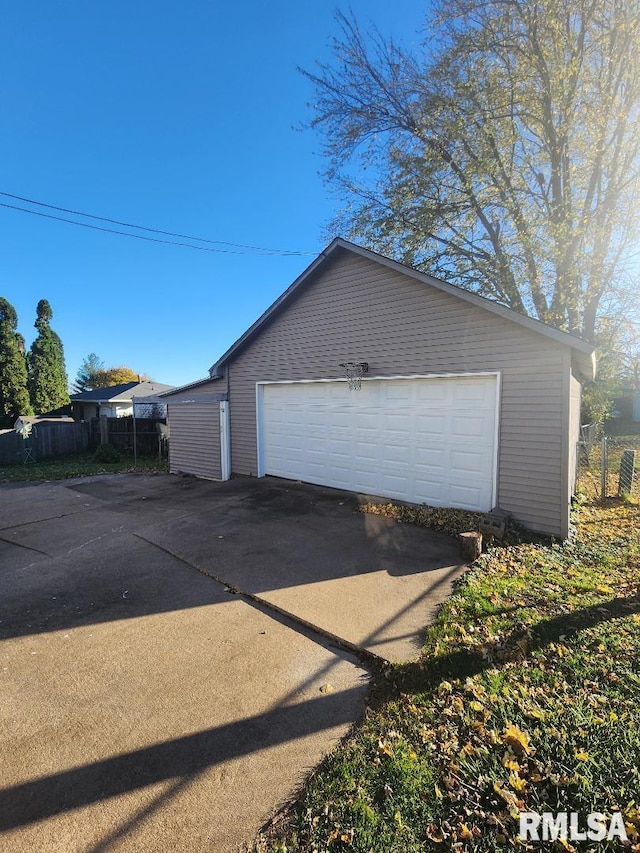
(527, 698)
(80, 465)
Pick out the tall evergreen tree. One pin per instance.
(89, 369)
(93, 374)
(47, 371)
(14, 396)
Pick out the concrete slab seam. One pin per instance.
(26, 547)
(370, 659)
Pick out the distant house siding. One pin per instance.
(122, 410)
(194, 439)
(355, 309)
(86, 411)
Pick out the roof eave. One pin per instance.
(181, 388)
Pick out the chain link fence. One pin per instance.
(608, 464)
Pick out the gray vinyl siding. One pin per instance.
(357, 310)
(574, 431)
(194, 439)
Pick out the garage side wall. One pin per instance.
(574, 432)
(358, 310)
(194, 439)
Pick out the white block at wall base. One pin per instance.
(225, 441)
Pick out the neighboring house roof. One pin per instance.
(121, 393)
(102, 395)
(42, 419)
(584, 352)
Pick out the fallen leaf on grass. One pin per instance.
(516, 739)
(434, 833)
(464, 833)
(508, 796)
(509, 762)
(516, 782)
(384, 748)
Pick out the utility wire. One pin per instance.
(238, 248)
(126, 234)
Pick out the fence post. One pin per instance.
(135, 443)
(604, 467)
(104, 430)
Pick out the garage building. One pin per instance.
(461, 402)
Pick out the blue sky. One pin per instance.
(180, 117)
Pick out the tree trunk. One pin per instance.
(471, 545)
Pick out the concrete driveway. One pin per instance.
(149, 704)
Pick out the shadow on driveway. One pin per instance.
(365, 580)
(143, 703)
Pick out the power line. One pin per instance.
(122, 233)
(238, 248)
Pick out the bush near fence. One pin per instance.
(46, 441)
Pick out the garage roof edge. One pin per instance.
(187, 387)
(584, 351)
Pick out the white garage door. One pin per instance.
(427, 441)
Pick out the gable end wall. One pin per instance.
(357, 310)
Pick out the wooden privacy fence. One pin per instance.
(46, 440)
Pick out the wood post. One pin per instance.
(471, 545)
(104, 430)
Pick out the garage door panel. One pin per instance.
(430, 425)
(468, 427)
(364, 481)
(394, 487)
(465, 497)
(316, 470)
(315, 443)
(435, 394)
(421, 440)
(396, 454)
(339, 477)
(366, 443)
(472, 391)
(395, 427)
(297, 444)
(398, 393)
(367, 421)
(465, 462)
(430, 457)
(294, 414)
(428, 492)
